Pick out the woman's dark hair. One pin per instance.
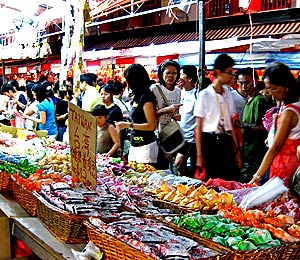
(114, 87)
(138, 79)
(62, 93)
(14, 83)
(7, 87)
(70, 93)
(108, 88)
(40, 90)
(100, 110)
(70, 79)
(28, 90)
(162, 67)
(191, 72)
(280, 74)
(42, 78)
(56, 87)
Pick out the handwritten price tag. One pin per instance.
(82, 132)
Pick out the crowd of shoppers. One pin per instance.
(223, 122)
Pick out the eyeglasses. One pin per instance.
(231, 73)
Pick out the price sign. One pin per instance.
(82, 132)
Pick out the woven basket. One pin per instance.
(178, 209)
(6, 183)
(273, 253)
(65, 226)
(291, 251)
(25, 198)
(225, 253)
(112, 248)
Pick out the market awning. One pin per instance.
(256, 30)
(244, 31)
(143, 41)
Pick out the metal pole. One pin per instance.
(201, 7)
(3, 71)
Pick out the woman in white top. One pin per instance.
(31, 108)
(168, 75)
(281, 157)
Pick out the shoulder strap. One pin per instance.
(293, 106)
(121, 100)
(162, 95)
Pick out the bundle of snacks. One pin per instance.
(133, 196)
(226, 232)
(190, 197)
(281, 226)
(155, 239)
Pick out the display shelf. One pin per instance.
(38, 238)
(11, 208)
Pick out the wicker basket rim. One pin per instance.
(91, 228)
(56, 209)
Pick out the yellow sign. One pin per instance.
(82, 132)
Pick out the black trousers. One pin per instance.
(219, 157)
(189, 151)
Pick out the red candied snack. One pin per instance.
(226, 185)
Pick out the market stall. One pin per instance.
(132, 211)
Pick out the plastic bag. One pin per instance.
(90, 252)
(267, 192)
(200, 174)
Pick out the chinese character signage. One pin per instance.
(82, 132)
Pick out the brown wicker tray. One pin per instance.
(65, 226)
(25, 198)
(178, 209)
(6, 183)
(112, 248)
(225, 252)
(114, 251)
(273, 253)
(291, 251)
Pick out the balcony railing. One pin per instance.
(217, 8)
(275, 4)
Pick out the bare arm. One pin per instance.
(41, 120)
(237, 149)
(288, 122)
(150, 115)
(29, 112)
(172, 109)
(198, 139)
(116, 139)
